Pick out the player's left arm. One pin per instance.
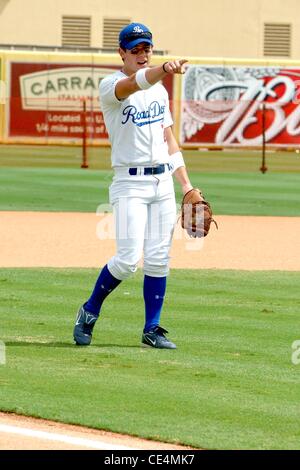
(176, 159)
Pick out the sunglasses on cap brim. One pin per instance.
(132, 36)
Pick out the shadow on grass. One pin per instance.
(57, 344)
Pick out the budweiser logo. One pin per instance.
(223, 106)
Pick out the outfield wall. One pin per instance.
(217, 103)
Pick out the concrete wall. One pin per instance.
(218, 28)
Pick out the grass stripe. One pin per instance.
(230, 383)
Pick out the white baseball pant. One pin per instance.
(145, 216)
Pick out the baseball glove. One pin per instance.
(196, 214)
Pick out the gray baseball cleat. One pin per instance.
(83, 328)
(156, 339)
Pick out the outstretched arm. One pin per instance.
(127, 86)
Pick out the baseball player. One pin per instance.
(144, 156)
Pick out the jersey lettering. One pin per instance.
(154, 113)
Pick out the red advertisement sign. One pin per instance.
(47, 100)
(223, 106)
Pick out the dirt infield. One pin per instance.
(45, 239)
(33, 239)
(24, 433)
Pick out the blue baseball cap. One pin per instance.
(134, 34)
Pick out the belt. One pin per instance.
(154, 170)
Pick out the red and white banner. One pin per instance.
(47, 100)
(222, 106)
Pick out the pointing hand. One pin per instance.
(175, 66)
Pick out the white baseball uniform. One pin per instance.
(144, 204)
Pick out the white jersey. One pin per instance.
(136, 125)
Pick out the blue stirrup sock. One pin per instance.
(105, 284)
(154, 292)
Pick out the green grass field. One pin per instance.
(50, 179)
(229, 385)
